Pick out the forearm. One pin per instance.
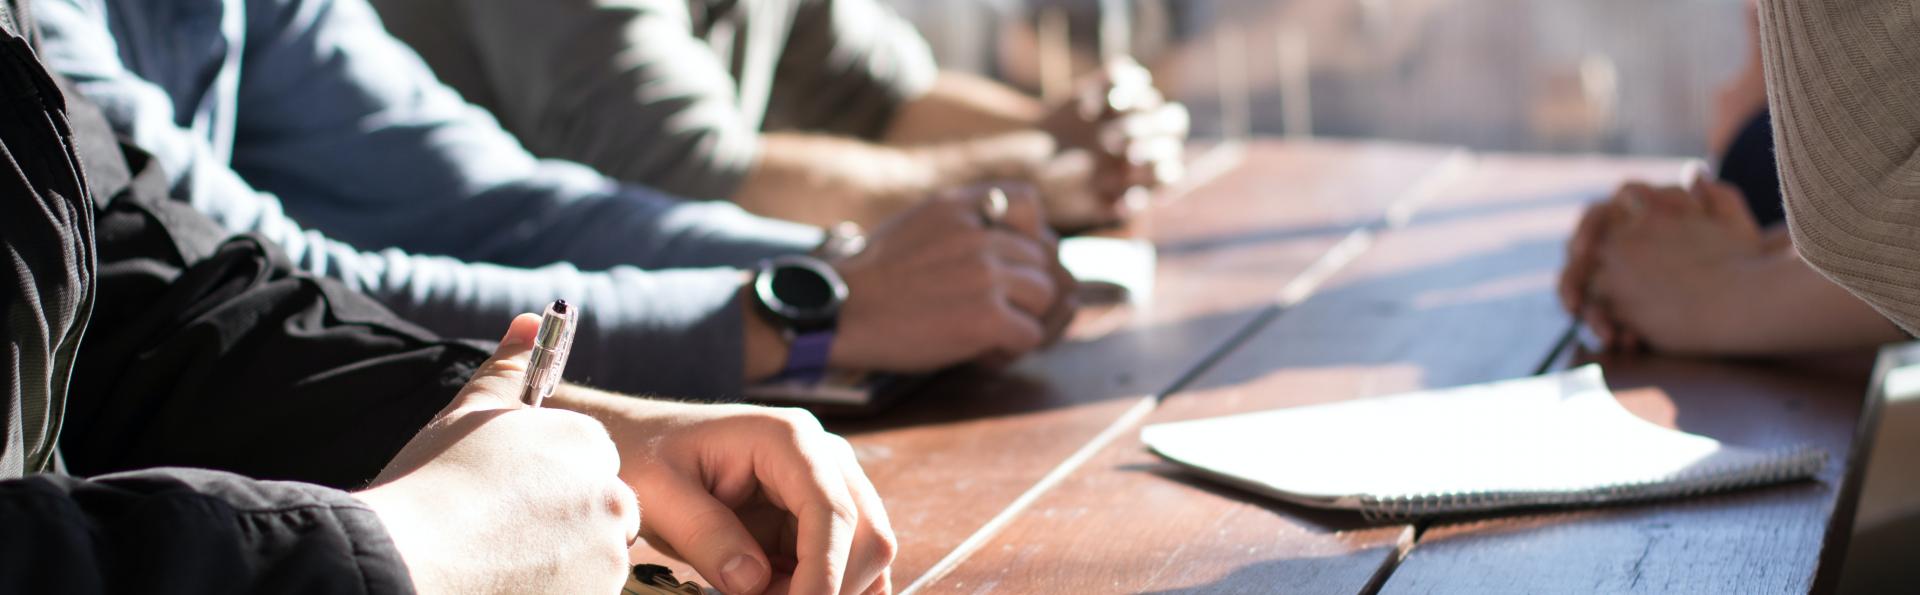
(961, 106)
(680, 332)
(1787, 307)
(823, 180)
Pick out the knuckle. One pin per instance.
(841, 512)
(618, 501)
(796, 421)
(884, 546)
(576, 424)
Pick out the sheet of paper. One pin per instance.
(1556, 434)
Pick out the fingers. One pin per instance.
(1641, 199)
(497, 384)
(1028, 289)
(813, 491)
(1583, 255)
(708, 534)
(874, 545)
(1597, 320)
(1016, 331)
(884, 586)
(1166, 123)
(626, 506)
(1065, 303)
(1017, 250)
(1143, 149)
(1024, 213)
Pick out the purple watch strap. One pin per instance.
(807, 357)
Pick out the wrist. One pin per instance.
(1735, 325)
(1015, 155)
(398, 516)
(764, 349)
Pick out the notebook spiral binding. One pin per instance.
(1779, 466)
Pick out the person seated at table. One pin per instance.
(808, 110)
(189, 414)
(1708, 268)
(305, 122)
(1848, 127)
(1847, 132)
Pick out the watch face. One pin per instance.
(801, 288)
(804, 292)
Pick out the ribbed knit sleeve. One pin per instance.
(1843, 81)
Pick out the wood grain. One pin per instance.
(948, 459)
(952, 457)
(1462, 294)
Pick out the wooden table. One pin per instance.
(1314, 272)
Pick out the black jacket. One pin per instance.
(184, 348)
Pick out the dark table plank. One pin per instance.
(1769, 540)
(1461, 294)
(951, 458)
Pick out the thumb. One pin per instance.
(709, 535)
(498, 382)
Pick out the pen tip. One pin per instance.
(559, 306)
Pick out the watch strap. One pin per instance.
(807, 356)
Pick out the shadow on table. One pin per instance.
(1289, 575)
(1133, 362)
(1479, 317)
(1215, 243)
(1501, 295)
(1320, 520)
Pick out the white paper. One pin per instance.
(1559, 438)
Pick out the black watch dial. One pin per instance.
(802, 292)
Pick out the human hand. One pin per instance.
(1668, 272)
(495, 497)
(757, 499)
(1119, 137)
(937, 286)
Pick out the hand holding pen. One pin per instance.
(489, 475)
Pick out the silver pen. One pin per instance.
(550, 348)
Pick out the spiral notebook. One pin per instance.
(1554, 440)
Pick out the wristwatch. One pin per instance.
(801, 295)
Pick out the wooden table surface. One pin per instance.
(1315, 272)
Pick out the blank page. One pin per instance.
(1554, 439)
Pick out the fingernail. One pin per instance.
(742, 574)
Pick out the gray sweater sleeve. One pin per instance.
(345, 128)
(621, 85)
(1840, 82)
(847, 68)
(632, 89)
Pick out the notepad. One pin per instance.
(1554, 440)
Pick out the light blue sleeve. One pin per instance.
(426, 204)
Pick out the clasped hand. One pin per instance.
(1660, 266)
(1119, 137)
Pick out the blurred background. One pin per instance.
(1612, 76)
